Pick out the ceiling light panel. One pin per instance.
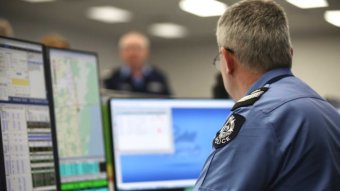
(168, 30)
(109, 14)
(203, 8)
(307, 4)
(333, 17)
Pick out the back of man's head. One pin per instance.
(257, 31)
(55, 40)
(5, 28)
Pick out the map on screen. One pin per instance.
(76, 101)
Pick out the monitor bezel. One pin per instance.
(3, 184)
(51, 95)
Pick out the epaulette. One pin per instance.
(250, 99)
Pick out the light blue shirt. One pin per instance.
(125, 72)
(290, 141)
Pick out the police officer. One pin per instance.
(281, 135)
(135, 75)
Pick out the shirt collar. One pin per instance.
(126, 71)
(268, 76)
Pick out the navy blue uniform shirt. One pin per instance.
(288, 140)
(153, 81)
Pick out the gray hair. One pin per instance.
(123, 40)
(258, 33)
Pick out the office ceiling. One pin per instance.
(71, 14)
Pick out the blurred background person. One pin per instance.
(5, 28)
(136, 75)
(218, 89)
(54, 40)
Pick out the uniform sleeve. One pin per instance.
(166, 90)
(161, 77)
(113, 81)
(246, 163)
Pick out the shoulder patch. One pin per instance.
(250, 99)
(229, 130)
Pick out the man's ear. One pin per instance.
(230, 62)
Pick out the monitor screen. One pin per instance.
(163, 143)
(26, 140)
(77, 111)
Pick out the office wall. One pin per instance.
(189, 65)
(316, 60)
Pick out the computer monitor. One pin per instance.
(27, 142)
(77, 111)
(163, 143)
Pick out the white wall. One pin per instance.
(189, 66)
(317, 61)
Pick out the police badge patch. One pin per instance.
(229, 130)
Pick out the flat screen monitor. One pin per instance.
(163, 143)
(27, 160)
(77, 112)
